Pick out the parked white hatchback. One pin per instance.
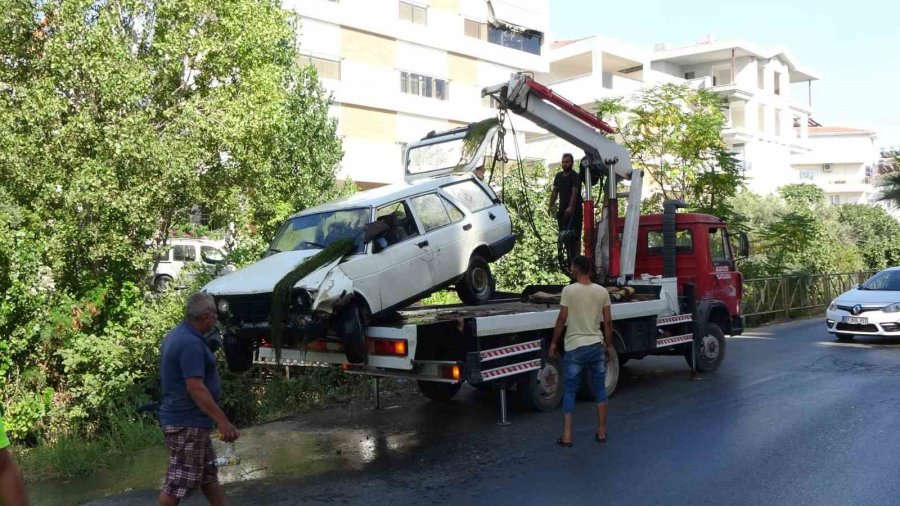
(871, 309)
(184, 252)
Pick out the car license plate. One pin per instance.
(855, 320)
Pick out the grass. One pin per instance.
(72, 456)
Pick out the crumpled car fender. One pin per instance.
(332, 288)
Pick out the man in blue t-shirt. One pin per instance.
(189, 410)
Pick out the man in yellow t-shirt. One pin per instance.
(584, 305)
(12, 491)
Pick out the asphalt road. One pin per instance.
(792, 417)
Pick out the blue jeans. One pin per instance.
(574, 361)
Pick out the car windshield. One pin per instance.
(888, 281)
(315, 231)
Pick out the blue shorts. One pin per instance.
(592, 356)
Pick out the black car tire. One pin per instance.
(352, 330)
(238, 353)
(477, 284)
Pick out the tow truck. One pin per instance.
(676, 272)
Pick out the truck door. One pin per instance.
(726, 281)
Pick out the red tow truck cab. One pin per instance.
(703, 260)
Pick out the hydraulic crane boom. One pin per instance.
(561, 117)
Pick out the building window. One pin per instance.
(688, 76)
(607, 78)
(528, 41)
(778, 83)
(807, 175)
(761, 77)
(778, 122)
(835, 200)
(490, 102)
(413, 13)
(326, 68)
(424, 86)
(762, 119)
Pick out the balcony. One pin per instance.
(587, 88)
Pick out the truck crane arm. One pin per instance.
(563, 118)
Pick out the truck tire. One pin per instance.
(711, 351)
(438, 392)
(586, 388)
(542, 390)
(351, 328)
(477, 284)
(162, 283)
(238, 353)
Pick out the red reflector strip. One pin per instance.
(669, 341)
(671, 320)
(507, 351)
(509, 370)
(390, 347)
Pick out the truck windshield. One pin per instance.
(315, 231)
(431, 157)
(888, 281)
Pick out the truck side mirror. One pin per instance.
(743, 245)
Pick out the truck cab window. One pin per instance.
(684, 242)
(719, 251)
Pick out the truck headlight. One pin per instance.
(893, 308)
(223, 306)
(832, 306)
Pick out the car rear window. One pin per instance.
(470, 195)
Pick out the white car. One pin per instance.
(184, 252)
(443, 228)
(871, 309)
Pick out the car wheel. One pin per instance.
(238, 353)
(438, 392)
(352, 331)
(711, 349)
(844, 338)
(162, 283)
(477, 284)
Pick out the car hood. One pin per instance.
(868, 297)
(262, 276)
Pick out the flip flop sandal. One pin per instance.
(600, 439)
(562, 443)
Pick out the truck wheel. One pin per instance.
(542, 390)
(162, 283)
(477, 284)
(586, 388)
(711, 349)
(238, 353)
(352, 331)
(438, 392)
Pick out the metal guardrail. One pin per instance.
(782, 295)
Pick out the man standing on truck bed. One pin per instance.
(583, 306)
(567, 186)
(190, 410)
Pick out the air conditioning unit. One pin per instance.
(826, 167)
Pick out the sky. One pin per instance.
(854, 46)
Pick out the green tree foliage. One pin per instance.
(674, 135)
(116, 118)
(875, 233)
(889, 184)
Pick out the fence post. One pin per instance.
(827, 290)
(785, 300)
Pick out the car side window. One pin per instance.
(401, 225)
(452, 210)
(431, 211)
(470, 195)
(184, 253)
(211, 255)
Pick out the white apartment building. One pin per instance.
(841, 162)
(399, 69)
(762, 108)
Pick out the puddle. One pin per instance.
(275, 450)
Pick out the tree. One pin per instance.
(875, 233)
(674, 135)
(889, 184)
(116, 118)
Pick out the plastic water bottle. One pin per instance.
(229, 459)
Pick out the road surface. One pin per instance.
(792, 417)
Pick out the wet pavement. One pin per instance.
(791, 417)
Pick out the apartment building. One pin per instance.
(763, 109)
(841, 161)
(398, 69)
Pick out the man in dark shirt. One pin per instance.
(567, 186)
(189, 410)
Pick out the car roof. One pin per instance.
(385, 194)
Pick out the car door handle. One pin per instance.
(491, 216)
(422, 244)
(467, 226)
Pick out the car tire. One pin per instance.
(844, 338)
(438, 392)
(712, 349)
(352, 330)
(238, 353)
(162, 283)
(477, 284)
(542, 390)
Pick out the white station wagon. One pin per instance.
(443, 227)
(871, 309)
